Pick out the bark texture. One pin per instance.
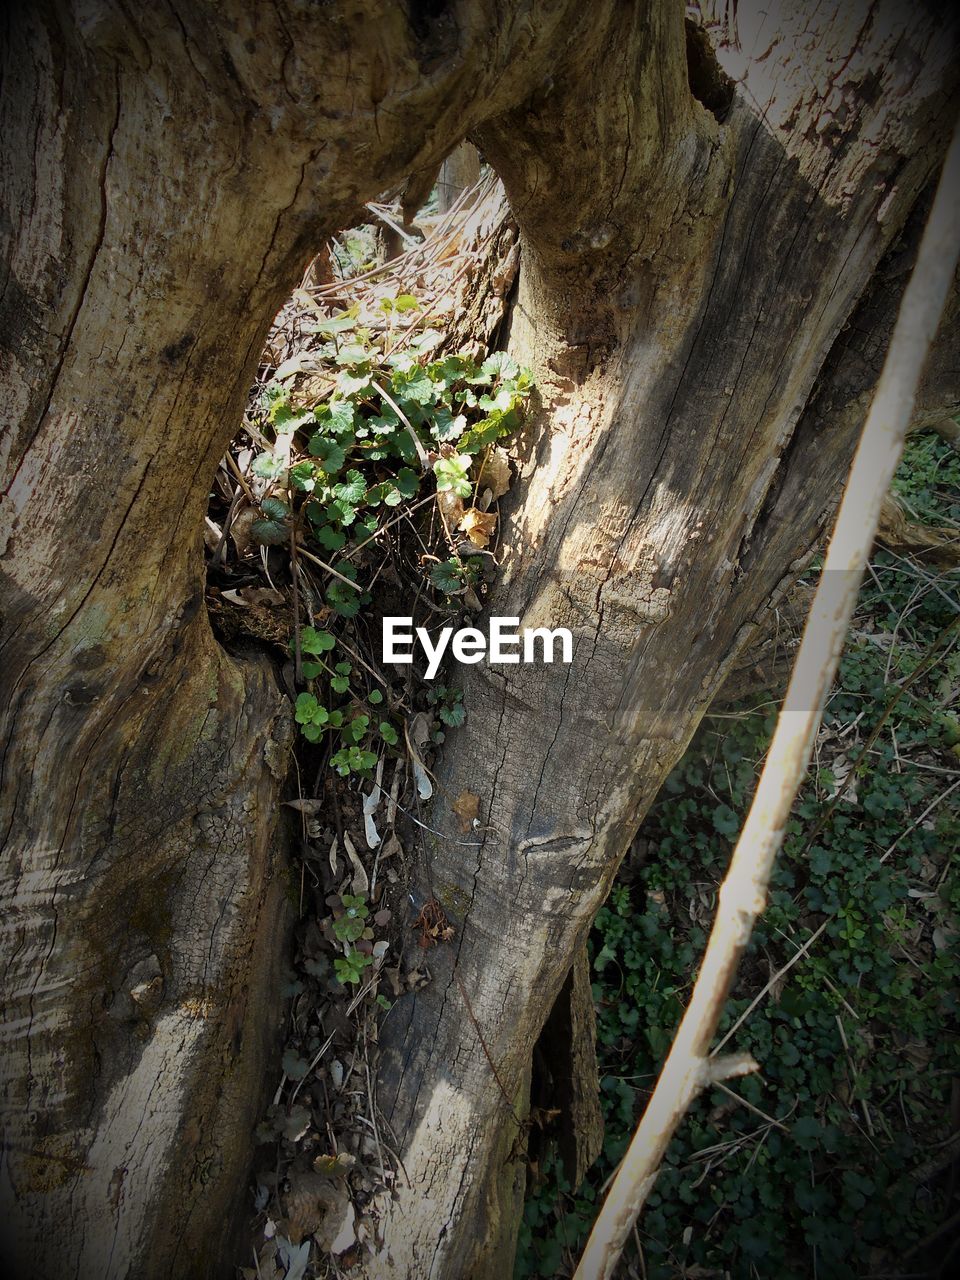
(165, 178)
(683, 281)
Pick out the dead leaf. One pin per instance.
(248, 596)
(417, 734)
(495, 473)
(467, 808)
(240, 526)
(478, 527)
(360, 882)
(451, 508)
(337, 1233)
(309, 807)
(305, 1204)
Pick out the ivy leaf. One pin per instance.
(313, 641)
(453, 715)
(451, 474)
(342, 512)
(269, 533)
(294, 1067)
(500, 365)
(274, 508)
(330, 455)
(352, 489)
(725, 821)
(338, 417)
(329, 537)
(344, 600)
(408, 482)
(448, 576)
(304, 477)
(268, 467)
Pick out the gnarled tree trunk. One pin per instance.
(683, 281)
(166, 178)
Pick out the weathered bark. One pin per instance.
(165, 180)
(460, 170)
(679, 293)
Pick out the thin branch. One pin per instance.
(743, 893)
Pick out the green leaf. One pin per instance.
(340, 684)
(725, 821)
(453, 715)
(306, 706)
(375, 697)
(310, 670)
(352, 489)
(337, 418)
(500, 365)
(329, 454)
(329, 537)
(345, 600)
(408, 482)
(269, 533)
(445, 427)
(294, 1067)
(388, 733)
(304, 477)
(451, 474)
(274, 508)
(342, 512)
(336, 324)
(312, 641)
(268, 467)
(448, 576)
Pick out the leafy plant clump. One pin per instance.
(397, 439)
(819, 1164)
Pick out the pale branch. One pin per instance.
(742, 897)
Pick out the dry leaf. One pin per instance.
(467, 808)
(451, 508)
(247, 596)
(243, 519)
(417, 734)
(477, 526)
(495, 473)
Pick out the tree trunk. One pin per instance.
(165, 181)
(679, 293)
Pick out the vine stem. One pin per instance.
(689, 1067)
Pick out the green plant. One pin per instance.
(857, 1042)
(396, 429)
(352, 725)
(349, 968)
